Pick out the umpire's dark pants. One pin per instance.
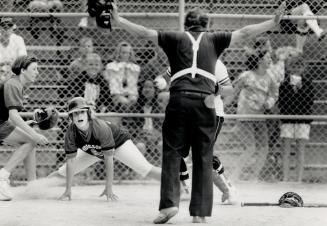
(188, 123)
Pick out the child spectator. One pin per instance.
(296, 96)
(122, 75)
(91, 85)
(80, 64)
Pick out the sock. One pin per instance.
(221, 182)
(4, 173)
(186, 185)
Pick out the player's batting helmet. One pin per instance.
(78, 104)
(46, 118)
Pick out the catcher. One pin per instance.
(13, 129)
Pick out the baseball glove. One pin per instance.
(290, 199)
(46, 118)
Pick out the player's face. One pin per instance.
(80, 119)
(31, 72)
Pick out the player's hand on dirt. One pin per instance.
(66, 196)
(280, 12)
(109, 194)
(40, 139)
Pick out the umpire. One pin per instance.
(190, 115)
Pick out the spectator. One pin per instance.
(79, 64)
(155, 66)
(295, 98)
(122, 75)
(277, 72)
(47, 6)
(91, 85)
(11, 47)
(146, 131)
(257, 92)
(302, 27)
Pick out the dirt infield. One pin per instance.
(138, 205)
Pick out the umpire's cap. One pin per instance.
(77, 104)
(196, 18)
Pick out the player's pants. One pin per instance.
(127, 153)
(188, 123)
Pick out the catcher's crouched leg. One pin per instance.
(223, 184)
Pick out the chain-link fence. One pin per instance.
(79, 59)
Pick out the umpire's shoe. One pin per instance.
(165, 215)
(5, 193)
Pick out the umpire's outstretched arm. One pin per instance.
(133, 28)
(237, 36)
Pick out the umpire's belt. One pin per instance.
(189, 93)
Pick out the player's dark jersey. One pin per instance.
(11, 97)
(178, 48)
(101, 136)
(99, 139)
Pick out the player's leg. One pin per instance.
(129, 154)
(16, 136)
(219, 179)
(222, 183)
(82, 161)
(185, 181)
(30, 165)
(39, 188)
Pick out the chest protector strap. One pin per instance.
(194, 70)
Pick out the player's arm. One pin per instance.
(69, 179)
(109, 164)
(133, 28)
(255, 29)
(15, 118)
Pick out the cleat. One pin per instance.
(165, 215)
(5, 193)
(230, 197)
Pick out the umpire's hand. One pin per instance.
(114, 11)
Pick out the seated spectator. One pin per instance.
(122, 75)
(11, 47)
(79, 65)
(47, 6)
(155, 66)
(296, 95)
(256, 91)
(146, 131)
(91, 85)
(302, 27)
